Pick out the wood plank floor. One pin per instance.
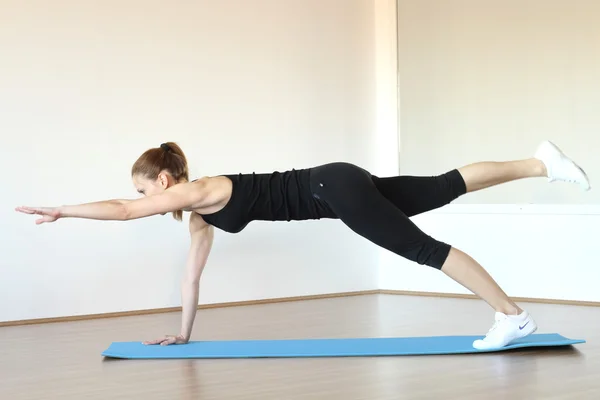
(62, 360)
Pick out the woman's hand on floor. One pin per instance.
(167, 340)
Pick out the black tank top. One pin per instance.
(277, 196)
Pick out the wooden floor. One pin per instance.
(62, 360)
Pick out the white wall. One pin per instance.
(532, 251)
(242, 86)
(483, 81)
(85, 88)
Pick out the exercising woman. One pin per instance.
(377, 208)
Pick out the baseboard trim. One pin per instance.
(287, 299)
(120, 314)
(473, 297)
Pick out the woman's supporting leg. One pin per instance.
(468, 272)
(511, 321)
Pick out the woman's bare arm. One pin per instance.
(202, 240)
(178, 197)
(202, 236)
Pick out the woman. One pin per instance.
(373, 207)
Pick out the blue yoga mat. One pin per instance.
(324, 347)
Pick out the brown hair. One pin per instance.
(168, 157)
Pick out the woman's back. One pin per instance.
(276, 196)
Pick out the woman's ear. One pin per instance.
(163, 179)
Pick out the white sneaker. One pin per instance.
(560, 167)
(505, 330)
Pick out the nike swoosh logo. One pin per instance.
(521, 327)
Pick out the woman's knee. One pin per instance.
(452, 184)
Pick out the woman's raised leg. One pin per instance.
(418, 194)
(549, 161)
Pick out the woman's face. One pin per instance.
(150, 187)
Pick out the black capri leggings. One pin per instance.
(379, 208)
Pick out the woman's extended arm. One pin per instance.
(178, 197)
(202, 238)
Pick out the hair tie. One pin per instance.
(165, 147)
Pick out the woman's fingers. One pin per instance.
(164, 341)
(36, 210)
(48, 214)
(26, 210)
(150, 342)
(168, 341)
